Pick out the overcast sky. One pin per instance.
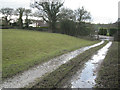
(102, 11)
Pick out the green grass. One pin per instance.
(60, 76)
(108, 34)
(108, 73)
(23, 49)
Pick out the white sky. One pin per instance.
(102, 11)
(119, 10)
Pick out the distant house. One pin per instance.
(38, 23)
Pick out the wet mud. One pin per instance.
(27, 77)
(85, 78)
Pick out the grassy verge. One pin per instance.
(108, 73)
(60, 76)
(23, 49)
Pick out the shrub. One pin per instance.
(102, 31)
(68, 27)
(112, 31)
(82, 29)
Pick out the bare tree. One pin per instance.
(67, 13)
(7, 12)
(82, 14)
(49, 12)
(20, 12)
(27, 13)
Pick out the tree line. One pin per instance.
(109, 32)
(8, 12)
(60, 19)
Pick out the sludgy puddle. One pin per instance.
(86, 77)
(31, 75)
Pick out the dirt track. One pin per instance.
(31, 75)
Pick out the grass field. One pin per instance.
(23, 49)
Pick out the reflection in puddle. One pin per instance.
(86, 78)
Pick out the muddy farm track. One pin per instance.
(31, 75)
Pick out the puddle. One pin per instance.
(86, 77)
(31, 75)
(109, 38)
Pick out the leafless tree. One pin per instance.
(7, 12)
(49, 12)
(82, 14)
(20, 12)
